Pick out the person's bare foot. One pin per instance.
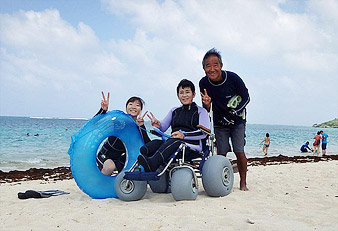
(244, 188)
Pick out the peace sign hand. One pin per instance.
(105, 102)
(154, 122)
(206, 99)
(140, 119)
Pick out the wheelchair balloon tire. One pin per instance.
(162, 185)
(183, 185)
(217, 176)
(129, 190)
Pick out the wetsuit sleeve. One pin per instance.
(244, 93)
(101, 111)
(144, 134)
(165, 123)
(307, 147)
(204, 121)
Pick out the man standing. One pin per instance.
(324, 142)
(229, 97)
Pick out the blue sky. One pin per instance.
(56, 56)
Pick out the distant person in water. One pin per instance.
(112, 155)
(266, 144)
(324, 142)
(28, 134)
(305, 147)
(316, 144)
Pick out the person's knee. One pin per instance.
(108, 167)
(241, 156)
(144, 150)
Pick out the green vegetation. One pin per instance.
(329, 124)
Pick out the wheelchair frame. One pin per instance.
(208, 152)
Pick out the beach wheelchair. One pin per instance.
(180, 175)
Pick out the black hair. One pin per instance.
(186, 83)
(318, 133)
(307, 142)
(210, 52)
(135, 98)
(267, 135)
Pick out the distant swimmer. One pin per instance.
(305, 147)
(28, 134)
(37, 134)
(266, 144)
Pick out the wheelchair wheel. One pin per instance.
(129, 190)
(162, 185)
(217, 176)
(183, 185)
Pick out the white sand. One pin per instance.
(281, 197)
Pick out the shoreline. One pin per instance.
(64, 173)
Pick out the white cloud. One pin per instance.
(43, 53)
(252, 28)
(277, 53)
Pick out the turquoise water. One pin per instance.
(49, 149)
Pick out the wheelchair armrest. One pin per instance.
(158, 132)
(206, 130)
(155, 133)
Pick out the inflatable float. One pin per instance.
(85, 145)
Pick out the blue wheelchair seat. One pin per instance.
(142, 176)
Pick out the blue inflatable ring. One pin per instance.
(85, 144)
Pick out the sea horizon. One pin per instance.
(85, 118)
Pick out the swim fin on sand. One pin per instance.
(40, 194)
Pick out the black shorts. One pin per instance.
(236, 133)
(324, 146)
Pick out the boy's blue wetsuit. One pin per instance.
(305, 148)
(184, 119)
(114, 149)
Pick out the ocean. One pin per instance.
(49, 140)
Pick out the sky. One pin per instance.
(56, 56)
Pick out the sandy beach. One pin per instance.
(293, 196)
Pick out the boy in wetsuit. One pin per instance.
(305, 147)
